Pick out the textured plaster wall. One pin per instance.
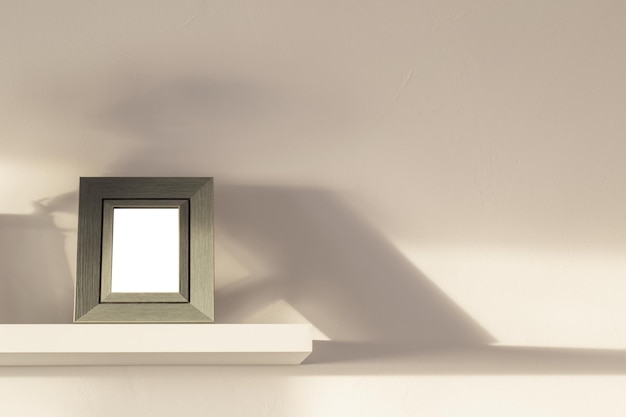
(437, 186)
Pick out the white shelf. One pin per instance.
(154, 344)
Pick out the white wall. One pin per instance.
(437, 186)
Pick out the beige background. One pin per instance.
(437, 186)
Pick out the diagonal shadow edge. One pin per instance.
(337, 271)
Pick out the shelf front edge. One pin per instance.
(154, 344)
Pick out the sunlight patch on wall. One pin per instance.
(533, 297)
(282, 312)
(228, 270)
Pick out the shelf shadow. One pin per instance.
(352, 359)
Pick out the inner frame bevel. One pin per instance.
(106, 296)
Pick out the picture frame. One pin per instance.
(95, 302)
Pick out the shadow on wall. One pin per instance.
(36, 285)
(309, 249)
